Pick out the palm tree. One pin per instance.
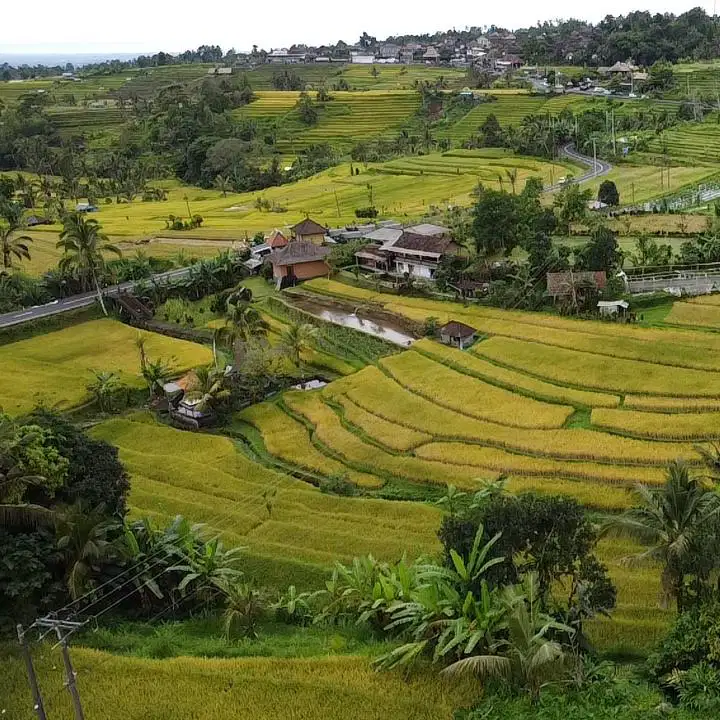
(297, 338)
(212, 387)
(223, 184)
(12, 246)
(84, 536)
(83, 243)
(670, 519)
(243, 323)
(512, 176)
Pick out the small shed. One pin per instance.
(457, 334)
(613, 307)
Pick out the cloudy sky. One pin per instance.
(174, 25)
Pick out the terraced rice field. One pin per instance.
(72, 120)
(523, 404)
(116, 687)
(639, 183)
(342, 121)
(702, 312)
(270, 104)
(353, 116)
(415, 417)
(358, 77)
(406, 190)
(207, 479)
(698, 142)
(55, 369)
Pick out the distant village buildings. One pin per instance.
(485, 50)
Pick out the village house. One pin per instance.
(415, 251)
(282, 56)
(457, 334)
(364, 58)
(508, 62)
(298, 260)
(309, 231)
(431, 56)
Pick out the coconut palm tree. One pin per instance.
(83, 243)
(84, 535)
(223, 184)
(10, 244)
(512, 176)
(670, 519)
(297, 338)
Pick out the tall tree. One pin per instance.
(297, 338)
(670, 519)
(84, 244)
(13, 245)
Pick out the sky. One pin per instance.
(146, 26)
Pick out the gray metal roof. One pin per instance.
(384, 235)
(428, 229)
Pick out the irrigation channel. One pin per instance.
(359, 318)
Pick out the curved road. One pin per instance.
(596, 168)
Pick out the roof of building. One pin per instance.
(299, 251)
(384, 235)
(457, 329)
(371, 253)
(308, 227)
(428, 229)
(613, 303)
(561, 283)
(260, 249)
(431, 244)
(276, 239)
(622, 67)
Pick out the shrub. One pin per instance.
(338, 485)
(366, 212)
(693, 638)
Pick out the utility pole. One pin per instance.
(32, 678)
(612, 118)
(595, 170)
(59, 626)
(337, 203)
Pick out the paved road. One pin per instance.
(76, 301)
(596, 168)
